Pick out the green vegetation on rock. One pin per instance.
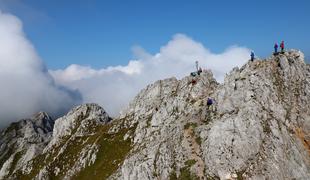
(112, 152)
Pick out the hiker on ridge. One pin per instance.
(252, 56)
(276, 48)
(199, 70)
(209, 102)
(282, 47)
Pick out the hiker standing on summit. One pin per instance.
(252, 56)
(276, 48)
(282, 47)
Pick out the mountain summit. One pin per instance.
(257, 128)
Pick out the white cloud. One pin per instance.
(114, 87)
(26, 85)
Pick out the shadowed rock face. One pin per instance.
(24, 140)
(258, 128)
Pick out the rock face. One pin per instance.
(167, 114)
(72, 147)
(262, 121)
(257, 128)
(22, 141)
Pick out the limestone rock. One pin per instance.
(22, 141)
(257, 128)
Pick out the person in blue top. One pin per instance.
(252, 56)
(276, 48)
(209, 103)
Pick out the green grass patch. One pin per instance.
(190, 162)
(113, 150)
(198, 140)
(190, 124)
(173, 175)
(185, 174)
(7, 155)
(16, 158)
(239, 175)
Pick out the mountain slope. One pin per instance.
(22, 141)
(73, 146)
(258, 128)
(263, 117)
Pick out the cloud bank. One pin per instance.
(26, 85)
(114, 87)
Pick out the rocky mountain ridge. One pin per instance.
(24, 140)
(258, 128)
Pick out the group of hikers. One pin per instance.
(210, 101)
(198, 71)
(275, 50)
(276, 47)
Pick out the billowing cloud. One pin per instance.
(26, 85)
(114, 87)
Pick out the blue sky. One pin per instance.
(101, 33)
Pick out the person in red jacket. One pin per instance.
(282, 47)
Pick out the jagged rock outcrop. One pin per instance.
(258, 128)
(80, 121)
(22, 141)
(262, 121)
(72, 146)
(166, 114)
